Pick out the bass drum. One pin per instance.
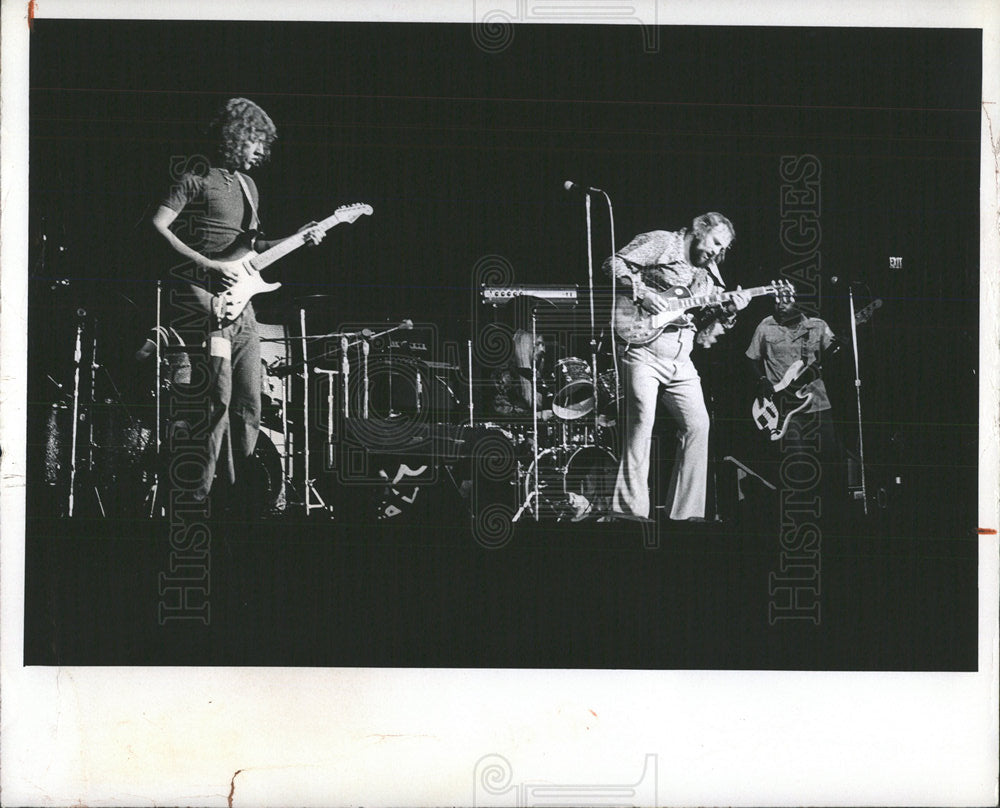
(573, 483)
(402, 387)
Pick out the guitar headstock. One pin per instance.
(784, 291)
(351, 213)
(866, 313)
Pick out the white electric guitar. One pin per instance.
(228, 304)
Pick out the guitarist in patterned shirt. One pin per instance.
(209, 210)
(662, 368)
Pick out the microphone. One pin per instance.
(569, 185)
(407, 324)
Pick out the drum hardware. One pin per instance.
(575, 389)
(608, 398)
(311, 498)
(155, 483)
(472, 419)
(578, 481)
(329, 412)
(83, 412)
(365, 348)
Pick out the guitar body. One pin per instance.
(772, 415)
(636, 326)
(229, 304)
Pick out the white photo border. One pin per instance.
(196, 736)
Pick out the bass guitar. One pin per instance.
(636, 326)
(229, 304)
(771, 414)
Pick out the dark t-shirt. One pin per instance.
(211, 210)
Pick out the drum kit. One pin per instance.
(566, 458)
(569, 465)
(326, 389)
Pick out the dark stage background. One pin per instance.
(462, 153)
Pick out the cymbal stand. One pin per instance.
(75, 429)
(309, 489)
(531, 500)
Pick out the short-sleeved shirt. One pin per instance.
(211, 212)
(779, 346)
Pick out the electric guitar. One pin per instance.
(229, 304)
(636, 326)
(771, 414)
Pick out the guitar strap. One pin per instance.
(254, 220)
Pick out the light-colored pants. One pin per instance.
(663, 365)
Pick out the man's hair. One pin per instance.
(704, 224)
(238, 122)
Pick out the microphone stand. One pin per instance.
(154, 490)
(593, 340)
(287, 461)
(90, 420)
(309, 489)
(77, 356)
(472, 421)
(345, 369)
(857, 388)
(365, 348)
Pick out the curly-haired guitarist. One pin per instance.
(210, 210)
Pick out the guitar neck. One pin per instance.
(290, 244)
(718, 297)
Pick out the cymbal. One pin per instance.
(306, 301)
